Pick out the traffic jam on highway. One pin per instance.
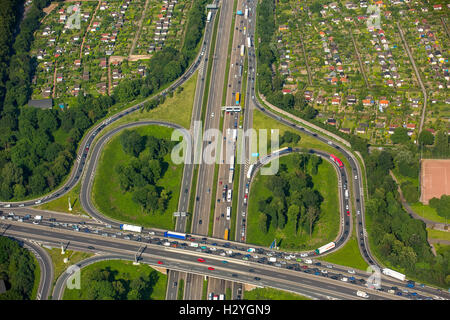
(300, 262)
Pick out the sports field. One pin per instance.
(435, 179)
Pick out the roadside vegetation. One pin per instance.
(58, 260)
(272, 294)
(118, 280)
(397, 239)
(62, 204)
(349, 255)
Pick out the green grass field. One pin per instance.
(427, 212)
(261, 121)
(348, 255)
(124, 270)
(272, 294)
(177, 109)
(438, 234)
(111, 201)
(58, 260)
(62, 204)
(441, 247)
(327, 227)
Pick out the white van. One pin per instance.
(228, 213)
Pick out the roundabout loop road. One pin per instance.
(87, 181)
(345, 222)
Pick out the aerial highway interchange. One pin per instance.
(222, 259)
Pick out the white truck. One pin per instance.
(229, 195)
(228, 213)
(194, 244)
(230, 177)
(394, 274)
(308, 261)
(273, 259)
(346, 193)
(362, 294)
(38, 218)
(129, 227)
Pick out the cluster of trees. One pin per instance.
(16, 270)
(146, 168)
(289, 137)
(438, 145)
(32, 160)
(104, 285)
(398, 238)
(442, 205)
(270, 81)
(294, 204)
(10, 12)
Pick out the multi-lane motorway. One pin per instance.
(183, 259)
(180, 259)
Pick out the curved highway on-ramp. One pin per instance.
(345, 227)
(61, 283)
(46, 269)
(87, 182)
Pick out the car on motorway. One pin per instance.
(351, 271)
(211, 268)
(200, 221)
(160, 262)
(201, 260)
(91, 248)
(257, 278)
(303, 255)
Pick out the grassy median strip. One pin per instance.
(213, 200)
(234, 205)
(180, 289)
(205, 289)
(192, 198)
(210, 63)
(230, 47)
(272, 294)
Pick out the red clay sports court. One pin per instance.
(435, 179)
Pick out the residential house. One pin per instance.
(331, 121)
(351, 99)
